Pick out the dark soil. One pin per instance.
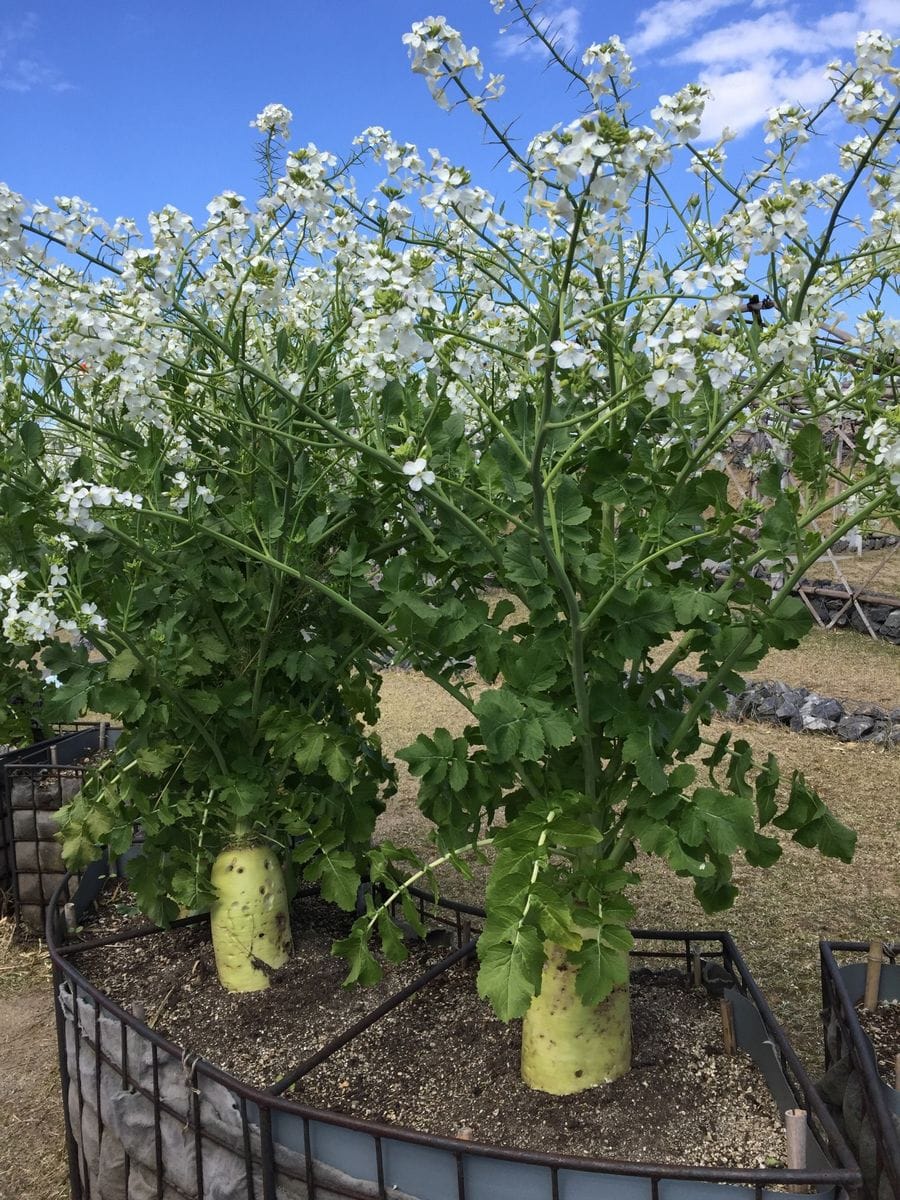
(441, 1061)
(882, 1026)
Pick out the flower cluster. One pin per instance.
(79, 500)
(274, 119)
(436, 50)
(185, 490)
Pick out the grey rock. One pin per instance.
(786, 710)
(878, 737)
(767, 707)
(816, 725)
(828, 710)
(892, 622)
(851, 729)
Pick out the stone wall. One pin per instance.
(805, 711)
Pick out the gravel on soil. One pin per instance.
(441, 1061)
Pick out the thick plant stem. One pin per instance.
(249, 918)
(568, 1046)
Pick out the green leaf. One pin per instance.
(506, 728)
(827, 834)
(520, 565)
(715, 893)
(210, 647)
(510, 971)
(32, 439)
(724, 821)
(601, 967)
(554, 916)
(763, 851)
(391, 938)
(568, 503)
(308, 750)
(354, 949)
(337, 762)
(638, 749)
(425, 759)
(316, 528)
(808, 461)
(117, 699)
(766, 788)
(204, 702)
(337, 876)
(804, 804)
(123, 665)
(789, 625)
(156, 759)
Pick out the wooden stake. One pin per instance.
(696, 969)
(795, 1132)
(873, 976)
(728, 1036)
(54, 757)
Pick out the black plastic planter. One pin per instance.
(866, 1108)
(146, 1119)
(35, 781)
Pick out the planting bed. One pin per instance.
(418, 1096)
(685, 1101)
(882, 1027)
(34, 784)
(861, 1048)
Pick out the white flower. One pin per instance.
(417, 469)
(569, 355)
(10, 582)
(274, 118)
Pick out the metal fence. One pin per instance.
(146, 1119)
(866, 1108)
(35, 782)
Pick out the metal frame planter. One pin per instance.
(18, 754)
(34, 782)
(867, 1108)
(145, 1118)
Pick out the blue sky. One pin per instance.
(133, 105)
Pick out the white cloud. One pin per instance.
(749, 41)
(751, 65)
(670, 21)
(561, 23)
(741, 98)
(20, 70)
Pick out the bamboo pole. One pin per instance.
(728, 1035)
(873, 976)
(795, 1134)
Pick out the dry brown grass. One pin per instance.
(32, 1160)
(876, 570)
(847, 665)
